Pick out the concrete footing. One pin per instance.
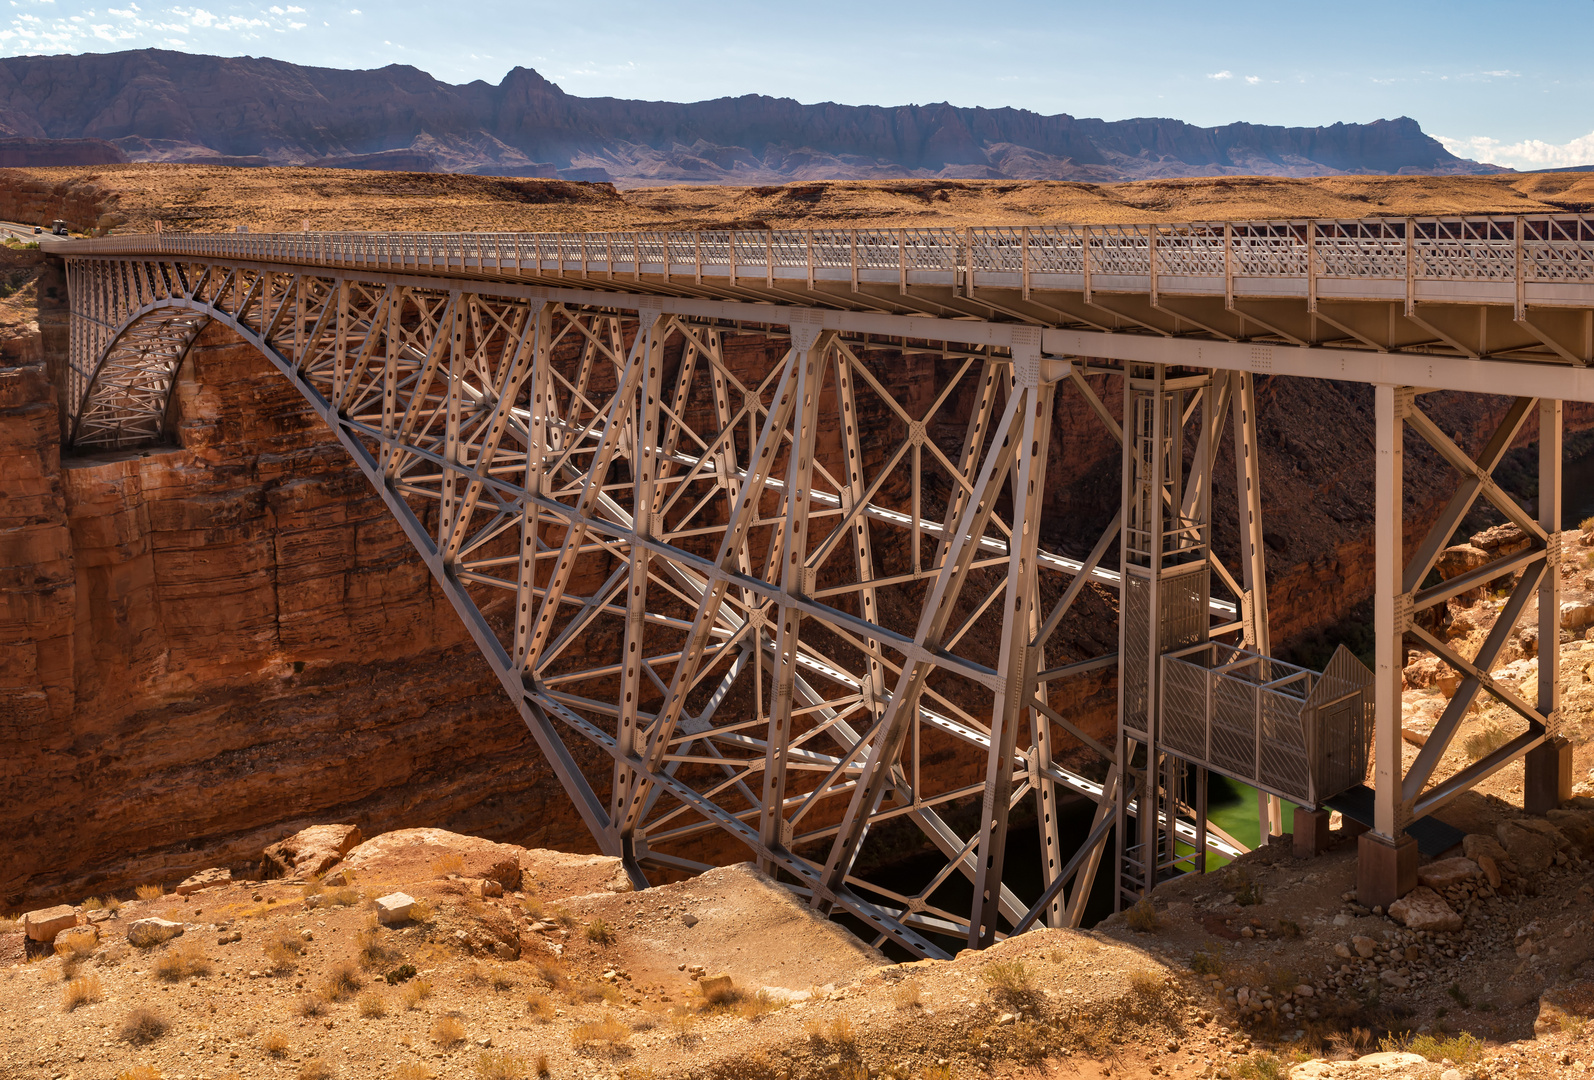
(1547, 775)
(1311, 832)
(1385, 870)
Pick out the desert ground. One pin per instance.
(194, 198)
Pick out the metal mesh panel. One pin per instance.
(1134, 669)
(1184, 609)
(1233, 727)
(1283, 750)
(1184, 710)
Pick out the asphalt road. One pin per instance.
(26, 234)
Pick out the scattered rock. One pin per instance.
(204, 880)
(232, 937)
(1447, 873)
(152, 931)
(485, 887)
(1424, 909)
(1576, 614)
(1364, 946)
(689, 920)
(1491, 870)
(311, 851)
(394, 908)
(44, 924)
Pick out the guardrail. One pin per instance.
(1536, 248)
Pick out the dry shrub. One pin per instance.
(542, 1065)
(75, 948)
(538, 1007)
(939, 1072)
(566, 920)
(283, 951)
(275, 1043)
(500, 1065)
(1482, 743)
(606, 1033)
(143, 1025)
(373, 951)
(412, 1070)
(450, 863)
(372, 1005)
(149, 892)
(839, 1034)
(93, 903)
(1009, 979)
(342, 982)
(1462, 1049)
(315, 1069)
(1142, 918)
(682, 1021)
(422, 911)
(448, 1031)
(551, 972)
(311, 1005)
(10, 925)
(753, 1006)
(907, 993)
(501, 980)
(600, 932)
(140, 1072)
(1028, 1042)
(532, 906)
(416, 992)
(185, 960)
(344, 897)
(81, 991)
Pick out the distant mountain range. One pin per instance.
(154, 105)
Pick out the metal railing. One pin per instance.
(1533, 248)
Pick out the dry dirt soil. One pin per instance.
(194, 198)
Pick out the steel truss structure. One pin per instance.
(725, 608)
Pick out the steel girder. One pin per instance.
(762, 616)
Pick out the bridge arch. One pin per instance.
(125, 399)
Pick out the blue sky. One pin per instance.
(1509, 83)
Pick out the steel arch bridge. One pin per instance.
(774, 589)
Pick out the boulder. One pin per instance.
(312, 851)
(1576, 614)
(394, 908)
(78, 939)
(1446, 873)
(1424, 909)
(1561, 1005)
(1530, 848)
(715, 988)
(1364, 946)
(486, 887)
(45, 923)
(152, 931)
(410, 854)
(1476, 844)
(1576, 825)
(204, 880)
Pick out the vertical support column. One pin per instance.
(645, 429)
(541, 403)
(1386, 856)
(1154, 524)
(1017, 658)
(774, 830)
(1547, 768)
(454, 394)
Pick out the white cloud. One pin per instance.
(1221, 75)
(1527, 154)
(1252, 80)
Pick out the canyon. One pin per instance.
(209, 644)
(158, 105)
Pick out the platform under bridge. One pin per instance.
(791, 595)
